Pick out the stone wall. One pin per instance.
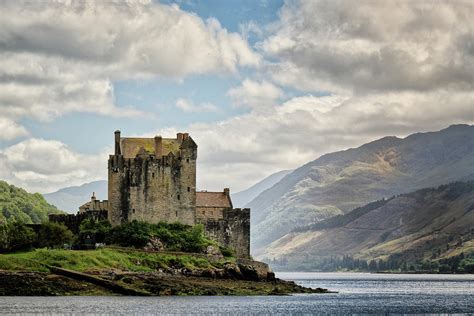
(233, 231)
(73, 221)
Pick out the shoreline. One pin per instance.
(28, 283)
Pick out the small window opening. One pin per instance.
(178, 197)
(152, 174)
(133, 211)
(176, 213)
(187, 159)
(189, 189)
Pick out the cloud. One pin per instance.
(11, 129)
(40, 165)
(373, 46)
(62, 57)
(240, 151)
(255, 94)
(189, 106)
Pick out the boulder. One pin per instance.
(154, 244)
(255, 270)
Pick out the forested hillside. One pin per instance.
(18, 205)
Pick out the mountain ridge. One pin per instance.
(338, 182)
(428, 224)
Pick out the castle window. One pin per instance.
(176, 213)
(133, 211)
(187, 159)
(189, 189)
(178, 197)
(152, 174)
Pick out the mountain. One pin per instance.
(70, 198)
(240, 199)
(427, 224)
(18, 205)
(338, 182)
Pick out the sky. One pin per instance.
(261, 86)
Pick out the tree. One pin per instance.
(53, 235)
(16, 236)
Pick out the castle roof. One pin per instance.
(130, 146)
(213, 199)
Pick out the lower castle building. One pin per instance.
(154, 180)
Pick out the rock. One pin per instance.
(154, 244)
(255, 270)
(232, 270)
(213, 251)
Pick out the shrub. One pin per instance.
(98, 229)
(53, 235)
(174, 236)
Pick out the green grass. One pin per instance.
(102, 259)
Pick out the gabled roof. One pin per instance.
(213, 199)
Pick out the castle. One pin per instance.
(154, 180)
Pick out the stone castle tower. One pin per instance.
(153, 180)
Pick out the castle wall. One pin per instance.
(73, 221)
(205, 213)
(149, 189)
(232, 231)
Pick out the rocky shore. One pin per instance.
(238, 277)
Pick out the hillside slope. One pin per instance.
(70, 198)
(339, 182)
(426, 224)
(18, 205)
(240, 199)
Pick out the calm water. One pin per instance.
(358, 293)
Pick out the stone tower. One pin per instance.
(153, 179)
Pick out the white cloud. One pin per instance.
(62, 57)
(255, 94)
(40, 165)
(189, 106)
(240, 151)
(374, 46)
(11, 129)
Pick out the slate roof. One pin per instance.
(130, 146)
(212, 199)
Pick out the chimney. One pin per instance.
(158, 147)
(227, 191)
(185, 135)
(93, 196)
(179, 136)
(117, 142)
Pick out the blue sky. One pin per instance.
(261, 86)
(158, 96)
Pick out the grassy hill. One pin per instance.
(427, 225)
(18, 205)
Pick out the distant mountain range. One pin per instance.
(69, 199)
(427, 224)
(336, 183)
(240, 199)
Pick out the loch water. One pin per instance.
(358, 293)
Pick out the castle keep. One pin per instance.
(154, 180)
